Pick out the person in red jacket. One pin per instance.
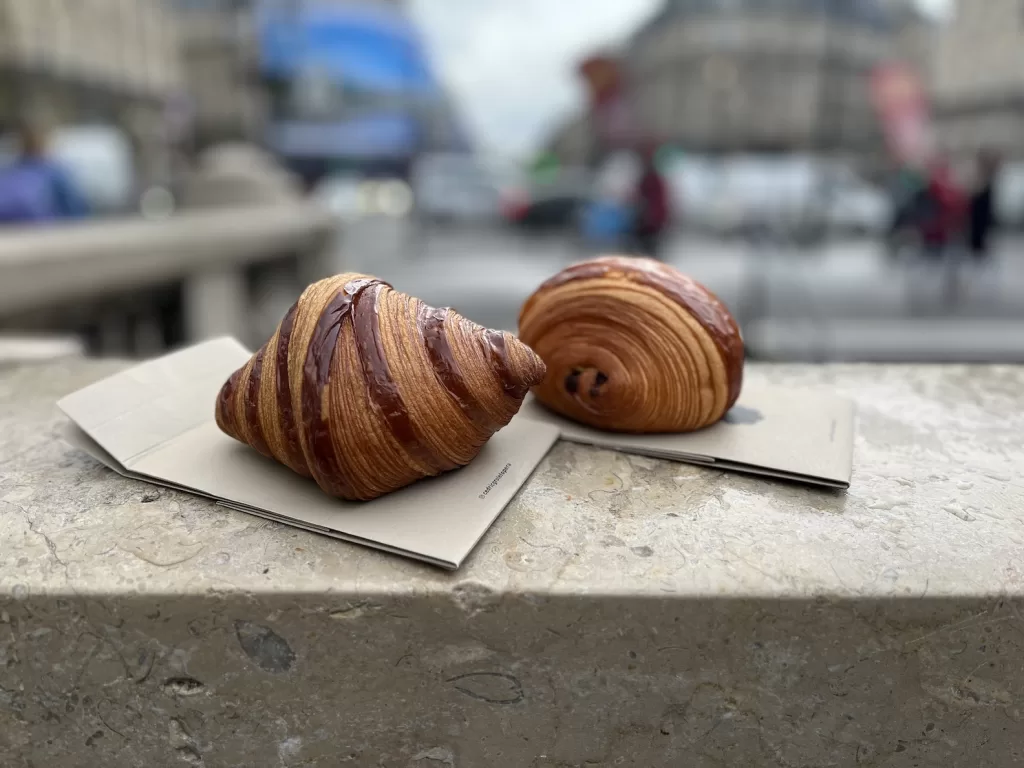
(652, 208)
(946, 215)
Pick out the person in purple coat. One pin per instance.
(35, 189)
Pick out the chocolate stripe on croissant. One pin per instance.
(382, 387)
(257, 438)
(431, 324)
(292, 450)
(319, 447)
(382, 392)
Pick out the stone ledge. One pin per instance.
(623, 611)
(933, 509)
(532, 681)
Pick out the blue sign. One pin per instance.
(368, 46)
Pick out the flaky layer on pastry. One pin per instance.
(365, 389)
(633, 345)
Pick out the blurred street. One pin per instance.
(487, 273)
(233, 151)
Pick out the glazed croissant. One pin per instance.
(632, 345)
(365, 389)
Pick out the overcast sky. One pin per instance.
(509, 63)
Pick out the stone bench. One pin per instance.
(622, 611)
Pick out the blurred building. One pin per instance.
(92, 61)
(979, 78)
(749, 75)
(917, 36)
(220, 54)
(572, 139)
(351, 89)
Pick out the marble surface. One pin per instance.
(622, 611)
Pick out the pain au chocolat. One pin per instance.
(633, 345)
(365, 389)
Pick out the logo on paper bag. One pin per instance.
(495, 481)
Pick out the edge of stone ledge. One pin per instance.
(476, 596)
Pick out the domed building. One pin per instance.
(766, 75)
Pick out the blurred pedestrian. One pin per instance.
(909, 193)
(35, 189)
(943, 220)
(982, 217)
(651, 216)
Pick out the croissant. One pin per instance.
(633, 345)
(366, 390)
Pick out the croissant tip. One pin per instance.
(533, 370)
(534, 375)
(538, 370)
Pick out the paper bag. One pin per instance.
(801, 436)
(155, 422)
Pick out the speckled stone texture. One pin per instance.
(622, 612)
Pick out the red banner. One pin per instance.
(901, 102)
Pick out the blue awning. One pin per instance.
(374, 47)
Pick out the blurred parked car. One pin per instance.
(1010, 196)
(550, 204)
(352, 197)
(858, 208)
(455, 188)
(340, 195)
(100, 159)
(790, 196)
